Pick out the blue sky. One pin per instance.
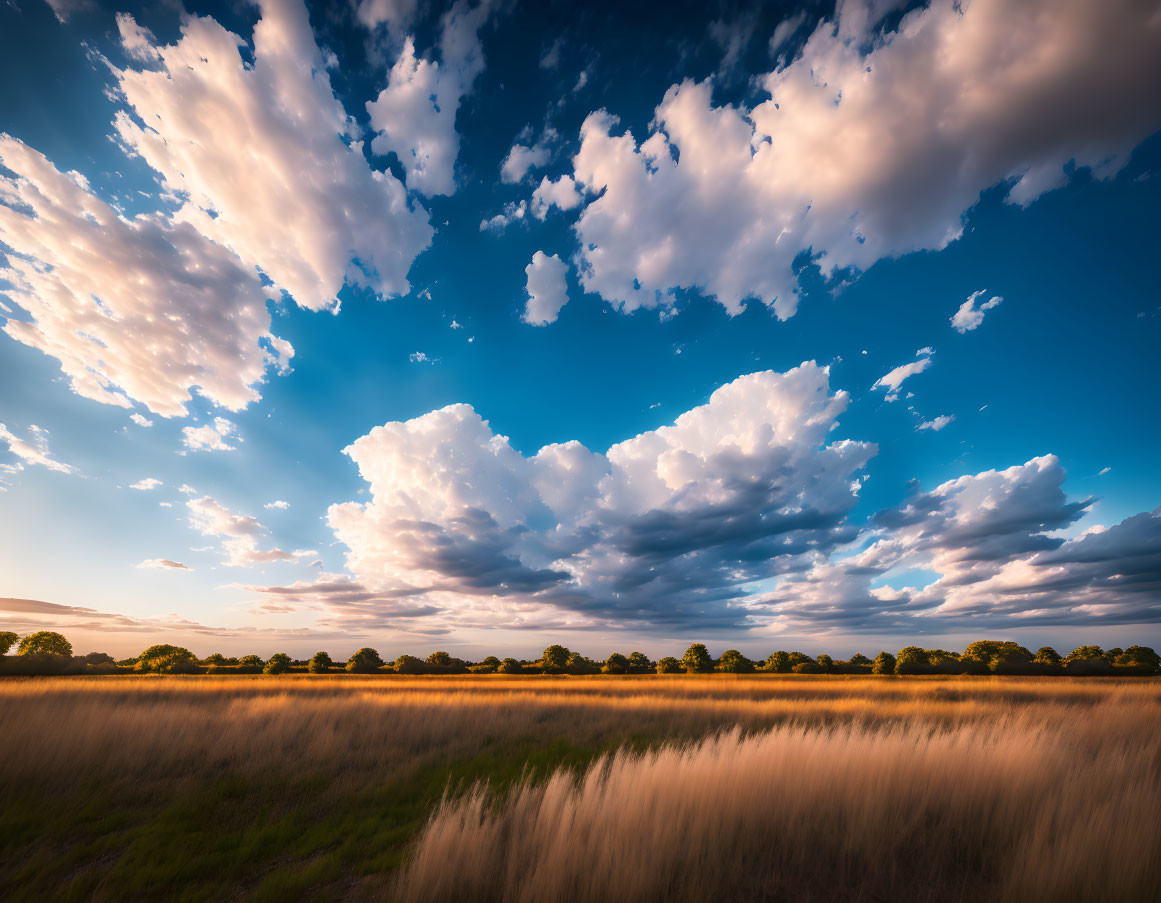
(780, 186)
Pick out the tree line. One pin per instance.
(48, 652)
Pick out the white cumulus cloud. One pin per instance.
(255, 152)
(239, 534)
(135, 310)
(415, 115)
(149, 483)
(215, 436)
(547, 289)
(872, 144)
(663, 528)
(563, 194)
(969, 315)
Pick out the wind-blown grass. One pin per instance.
(825, 788)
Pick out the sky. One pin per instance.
(486, 325)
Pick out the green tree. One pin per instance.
(511, 666)
(579, 664)
(216, 659)
(250, 664)
(616, 664)
(884, 663)
(279, 663)
(778, 663)
(697, 659)
(320, 663)
(912, 660)
(640, 663)
(1087, 660)
(166, 659)
(490, 665)
(408, 664)
(1000, 656)
(825, 662)
(669, 665)
(1139, 660)
(733, 662)
(7, 641)
(365, 661)
(555, 659)
(807, 667)
(45, 642)
(1048, 660)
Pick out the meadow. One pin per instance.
(763, 787)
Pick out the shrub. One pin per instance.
(639, 663)
(807, 667)
(365, 661)
(490, 665)
(616, 664)
(555, 659)
(778, 663)
(579, 664)
(884, 663)
(7, 641)
(250, 664)
(733, 662)
(511, 666)
(697, 659)
(407, 664)
(279, 664)
(166, 659)
(669, 665)
(45, 642)
(320, 663)
(1139, 660)
(1087, 661)
(444, 663)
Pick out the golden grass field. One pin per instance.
(545, 789)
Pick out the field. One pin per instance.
(578, 789)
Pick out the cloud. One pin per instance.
(139, 309)
(666, 527)
(522, 158)
(891, 381)
(420, 357)
(138, 42)
(785, 31)
(214, 436)
(141, 420)
(415, 115)
(968, 317)
(147, 484)
(239, 534)
(513, 212)
(163, 563)
(281, 505)
(255, 153)
(395, 14)
(33, 450)
(62, 9)
(563, 193)
(547, 289)
(732, 39)
(873, 143)
(936, 424)
(993, 541)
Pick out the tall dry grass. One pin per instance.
(761, 787)
(1047, 803)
